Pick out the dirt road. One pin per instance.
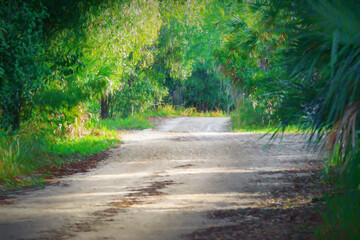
(189, 179)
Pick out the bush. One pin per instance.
(202, 90)
(38, 145)
(250, 116)
(21, 68)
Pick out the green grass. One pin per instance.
(131, 122)
(248, 119)
(28, 151)
(341, 219)
(171, 111)
(88, 145)
(266, 129)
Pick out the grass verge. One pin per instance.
(25, 154)
(33, 153)
(170, 111)
(266, 129)
(136, 121)
(341, 220)
(250, 120)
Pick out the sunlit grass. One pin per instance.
(85, 146)
(267, 129)
(136, 121)
(26, 152)
(171, 111)
(253, 122)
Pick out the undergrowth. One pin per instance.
(136, 121)
(36, 146)
(43, 144)
(341, 220)
(245, 120)
(170, 111)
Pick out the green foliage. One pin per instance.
(141, 91)
(85, 146)
(320, 83)
(278, 62)
(291, 62)
(18, 152)
(202, 90)
(97, 51)
(251, 116)
(342, 217)
(21, 66)
(59, 59)
(95, 59)
(178, 36)
(189, 40)
(321, 87)
(250, 58)
(171, 111)
(131, 122)
(37, 146)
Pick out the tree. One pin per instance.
(21, 66)
(189, 40)
(111, 42)
(321, 91)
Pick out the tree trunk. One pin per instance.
(11, 115)
(16, 119)
(105, 107)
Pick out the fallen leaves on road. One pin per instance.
(286, 212)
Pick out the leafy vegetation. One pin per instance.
(74, 72)
(21, 68)
(170, 111)
(320, 92)
(36, 146)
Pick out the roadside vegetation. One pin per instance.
(37, 146)
(74, 73)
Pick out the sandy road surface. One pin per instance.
(159, 184)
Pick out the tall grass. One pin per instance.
(19, 154)
(136, 121)
(342, 216)
(36, 146)
(250, 118)
(171, 111)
